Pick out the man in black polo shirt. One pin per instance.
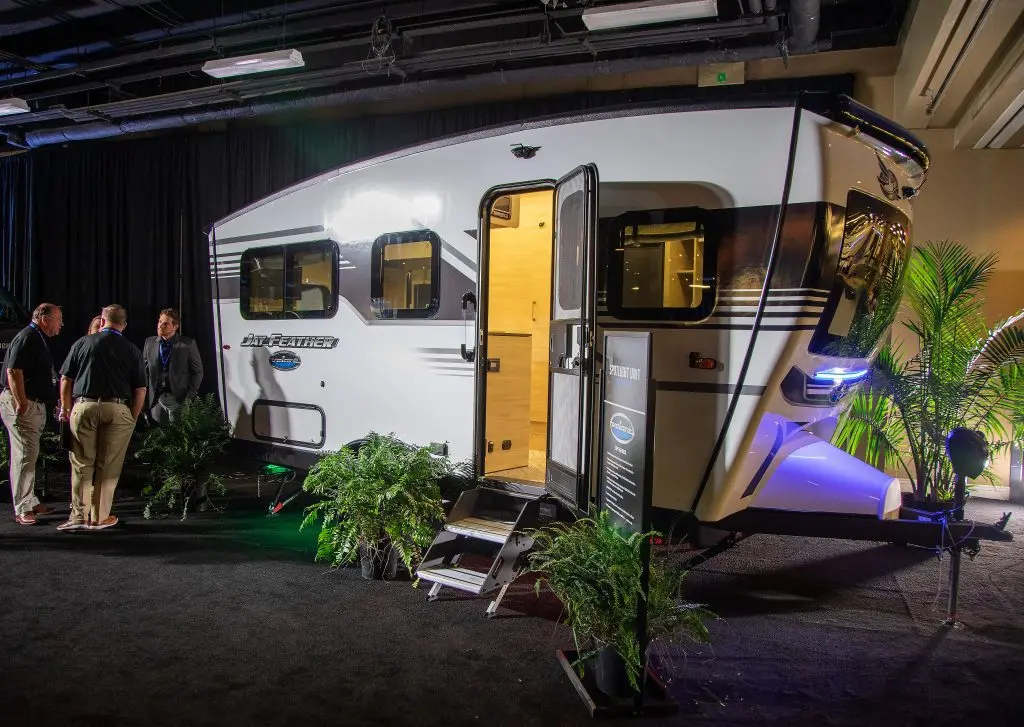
(28, 382)
(104, 375)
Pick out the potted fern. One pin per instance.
(180, 453)
(963, 374)
(380, 503)
(594, 569)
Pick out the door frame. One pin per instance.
(482, 284)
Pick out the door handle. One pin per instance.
(468, 354)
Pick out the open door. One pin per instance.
(571, 342)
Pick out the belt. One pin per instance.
(103, 400)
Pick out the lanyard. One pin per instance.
(49, 353)
(111, 330)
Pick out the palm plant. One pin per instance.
(594, 569)
(180, 452)
(383, 498)
(963, 373)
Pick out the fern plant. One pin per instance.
(179, 454)
(594, 569)
(383, 497)
(963, 374)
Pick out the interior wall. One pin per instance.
(973, 196)
(519, 296)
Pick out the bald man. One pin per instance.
(29, 382)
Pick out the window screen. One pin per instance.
(290, 281)
(569, 267)
(406, 275)
(662, 266)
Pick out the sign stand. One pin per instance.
(625, 474)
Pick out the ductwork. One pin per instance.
(804, 22)
(82, 132)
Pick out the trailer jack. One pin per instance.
(281, 476)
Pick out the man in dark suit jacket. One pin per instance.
(174, 369)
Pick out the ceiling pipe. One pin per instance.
(34, 139)
(228, 31)
(430, 61)
(804, 22)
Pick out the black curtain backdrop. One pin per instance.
(88, 224)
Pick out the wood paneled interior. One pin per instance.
(519, 295)
(536, 470)
(508, 401)
(406, 266)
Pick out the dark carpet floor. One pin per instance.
(225, 620)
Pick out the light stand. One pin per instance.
(968, 452)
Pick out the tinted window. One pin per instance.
(662, 265)
(405, 280)
(290, 281)
(869, 279)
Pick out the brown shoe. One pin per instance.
(26, 518)
(103, 524)
(41, 509)
(71, 525)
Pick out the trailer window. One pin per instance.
(290, 281)
(405, 280)
(662, 266)
(869, 280)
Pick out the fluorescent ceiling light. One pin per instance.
(10, 106)
(256, 63)
(650, 12)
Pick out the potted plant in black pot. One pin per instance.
(180, 454)
(963, 374)
(594, 569)
(380, 504)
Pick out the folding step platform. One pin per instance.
(483, 543)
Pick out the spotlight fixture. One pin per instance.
(255, 63)
(649, 12)
(10, 106)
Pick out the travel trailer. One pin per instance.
(457, 294)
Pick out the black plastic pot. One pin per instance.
(610, 673)
(380, 564)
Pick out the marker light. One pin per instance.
(839, 376)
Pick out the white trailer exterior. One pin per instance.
(311, 361)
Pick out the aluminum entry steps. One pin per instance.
(488, 524)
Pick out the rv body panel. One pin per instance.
(406, 375)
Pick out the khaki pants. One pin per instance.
(100, 435)
(25, 431)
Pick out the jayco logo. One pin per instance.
(622, 428)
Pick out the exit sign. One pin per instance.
(721, 74)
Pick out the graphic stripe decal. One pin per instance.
(752, 486)
(458, 255)
(699, 388)
(271, 234)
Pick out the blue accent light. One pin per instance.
(839, 376)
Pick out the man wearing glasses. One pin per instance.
(29, 381)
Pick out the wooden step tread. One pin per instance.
(496, 531)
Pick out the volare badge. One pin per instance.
(285, 360)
